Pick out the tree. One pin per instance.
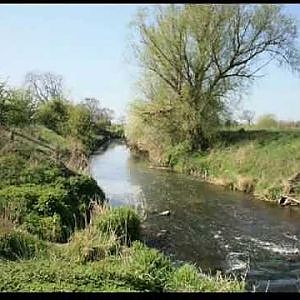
(196, 57)
(16, 107)
(44, 86)
(267, 121)
(100, 116)
(53, 114)
(80, 123)
(248, 116)
(4, 96)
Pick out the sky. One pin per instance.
(89, 46)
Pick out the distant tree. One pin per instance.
(267, 121)
(4, 96)
(80, 122)
(15, 106)
(53, 114)
(21, 110)
(44, 86)
(100, 116)
(248, 116)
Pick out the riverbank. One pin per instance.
(264, 163)
(53, 219)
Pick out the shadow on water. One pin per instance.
(209, 226)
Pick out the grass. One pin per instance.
(95, 261)
(253, 161)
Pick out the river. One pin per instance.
(212, 227)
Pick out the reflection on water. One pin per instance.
(209, 226)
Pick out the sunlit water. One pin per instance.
(209, 226)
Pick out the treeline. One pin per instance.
(266, 121)
(42, 100)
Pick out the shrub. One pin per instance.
(47, 228)
(175, 152)
(90, 245)
(11, 167)
(45, 200)
(41, 172)
(267, 121)
(123, 221)
(149, 267)
(19, 245)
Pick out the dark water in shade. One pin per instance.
(209, 226)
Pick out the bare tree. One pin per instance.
(98, 113)
(248, 116)
(44, 86)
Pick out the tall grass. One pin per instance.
(258, 162)
(95, 260)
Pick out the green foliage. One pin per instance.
(91, 244)
(150, 266)
(94, 260)
(255, 161)
(138, 269)
(194, 63)
(19, 245)
(53, 114)
(79, 123)
(117, 131)
(11, 166)
(40, 208)
(267, 122)
(16, 107)
(122, 221)
(49, 210)
(20, 109)
(47, 228)
(188, 279)
(176, 152)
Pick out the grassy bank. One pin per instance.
(105, 256)
(253, 161)
(56, 234)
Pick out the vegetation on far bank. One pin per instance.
(254, 161)
(196, 61)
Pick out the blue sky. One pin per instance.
(88, 45)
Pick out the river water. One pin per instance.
(214, 228)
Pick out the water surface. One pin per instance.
(208, 225)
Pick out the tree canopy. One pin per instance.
(195, 58)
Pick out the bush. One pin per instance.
(11, 166)
(53, 114)
(19, 245)
(44, 200)
(123, 221)
(91, 245)
(267, 121)
(47, 228)
(50, 211)
(16, 169)
(150, 268)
